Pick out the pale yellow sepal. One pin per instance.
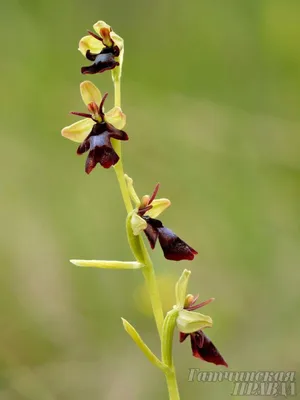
(158, 206)
(189, 321)
(78, 131)
(90, 43)
(132, 192)
(181, 288)
(107, 264)
(138, 224)
(90, 93)
(116, 117)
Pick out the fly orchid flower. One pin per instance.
(202, 346)
(144, 219)
(95, 131)
(104, 48)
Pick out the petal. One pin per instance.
(90, 93)
(207, 351)
(90, 43)
(173, 247)
(138, 224)
(116, 117)
(116, 133)
(158, 206)
(78, 131)
(189, 321)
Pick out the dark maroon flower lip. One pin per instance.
(203, 348)
(174, 248)
(103, 61)
(99, 145)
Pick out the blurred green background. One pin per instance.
(211, 90)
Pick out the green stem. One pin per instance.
(117, 87)
(120, 176)
(141, 254)
(172, 385)
(166, 350)
(151, 282)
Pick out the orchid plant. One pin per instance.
(100, 134)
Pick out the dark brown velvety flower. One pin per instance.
(202, 346)
(174, 248)
(95, 131)
(104, 48)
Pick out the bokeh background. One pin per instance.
(211, 90)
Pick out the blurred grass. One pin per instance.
(212, 93)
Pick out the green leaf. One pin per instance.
(108, 264)
(142, 345)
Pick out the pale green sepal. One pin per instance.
(158, 206)
(108, 264)
(189, 321)
(142, 345)
(132, 192)
(181, 287)
(138, 224)
(134, 241)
